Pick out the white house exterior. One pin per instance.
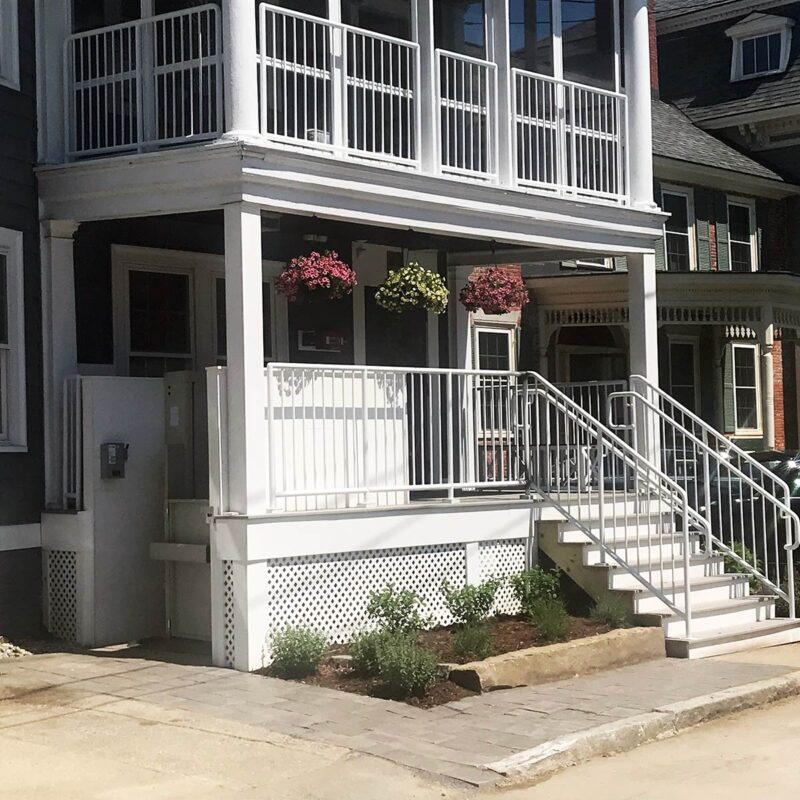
(280, 462)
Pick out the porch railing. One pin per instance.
(592, 396)
(333, 86)
(72, 445)
(145, 84)
(571, 138)
(746, 506)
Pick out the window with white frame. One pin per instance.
(493, 351)
(761, 45)
(742, 235)
(678, 229)
(9, 44)
(746, 388)
(12, 342)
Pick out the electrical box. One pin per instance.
(113, 456)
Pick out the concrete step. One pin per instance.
(644, 552)
(615, 530)
(706, 590)
(657, 571)
(767, 633)
(722, 616)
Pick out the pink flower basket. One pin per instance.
(495, 290)
(315, 275)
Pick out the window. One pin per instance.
(493, 352)
(160, 306)
(13, 423)
(9, 44)
(746, 388)
(678, 229)
(761, 44)
(742, 235)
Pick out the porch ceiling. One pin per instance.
(207, 177)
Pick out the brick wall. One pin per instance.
(651, 6)
(777, 371)
(712, 245)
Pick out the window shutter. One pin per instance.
(702, 207)
(621, 264)
(721, 217)
(661, 254)
(762, 241)
(728, 410)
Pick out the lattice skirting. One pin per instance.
(329, 593)
(62, 591)
(229, 614)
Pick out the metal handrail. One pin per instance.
(723, 462)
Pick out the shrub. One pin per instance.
(397, 611)
(472, 642)
(296, 652)
(781, 605)
(365, 648)
(405, 668)
(550, 617)
(746, 554)
(612, 611)
(470, 604)
(535, 584)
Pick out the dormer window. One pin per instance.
(761, 45)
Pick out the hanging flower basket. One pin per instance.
(412, 287)
(316, 276)
(494, 290)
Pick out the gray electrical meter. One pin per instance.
(113, 456)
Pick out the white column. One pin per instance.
(59, 342)
(247, 439)
(766, 341)
(240, 74)
(54, 24)
(500, 52)
(427, 89)
(637, 88)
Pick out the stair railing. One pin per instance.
(637, 515)
(746, 506)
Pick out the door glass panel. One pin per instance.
(90, 14)
(588, 41)
(391, 18)
(683, 381)
(459, 26)
(531, 32)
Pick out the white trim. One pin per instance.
(750, 205)
(759, 429)
(20, 537)
(754, 27)
(687, 192)
(9, 44)
(709, 14)
(13, 417)
(694, 342)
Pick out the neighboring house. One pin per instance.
(221, 462)
(21, 433)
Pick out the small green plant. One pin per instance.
(405, 668)
(296, 652)
(470, 604)
(612, 611)
(472, 642)
(533, 585)
(397, 611)
(745, 554)
(365, 648)
(549, 615)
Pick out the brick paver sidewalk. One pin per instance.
(455, 740)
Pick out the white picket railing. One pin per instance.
(747, 507)
(72, 445)
(570, 138)
(467, 93)
(337, 87)
(144, 84)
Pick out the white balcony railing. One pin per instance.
(145, 84)
(347, 91)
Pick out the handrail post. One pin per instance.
(601, 491)
(450, 440)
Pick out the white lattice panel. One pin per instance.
(229, 610)
(330, 593)
(62, 594)
(500, 559)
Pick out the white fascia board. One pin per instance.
(671, 169)
(750, 117)
(706, 16)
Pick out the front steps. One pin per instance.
(726, 617)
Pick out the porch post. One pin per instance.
(247, 441)
(500, 43)
(240, 74)
(638, 90)
(766, 343)
(427, 87)
(59, 343)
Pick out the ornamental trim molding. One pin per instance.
(699, 315)
(576, 317)
(682, 315)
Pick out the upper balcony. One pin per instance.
(521, 96)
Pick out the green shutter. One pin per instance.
(721, 218)
(762, 217)
(702, 212)
(728, 409)
(661, 255)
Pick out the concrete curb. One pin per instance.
(532, 766)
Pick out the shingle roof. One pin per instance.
(665, 9)
(676, 136)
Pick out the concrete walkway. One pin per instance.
(457, 741)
